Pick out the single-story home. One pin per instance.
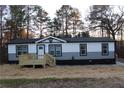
(77, 50)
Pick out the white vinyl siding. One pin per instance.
(12, 49)
(32, 48)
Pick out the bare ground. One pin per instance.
(98, 71)
(88, 75)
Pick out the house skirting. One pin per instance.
(85, 62)
(79, 62)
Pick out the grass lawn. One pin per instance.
(85, 76)
(63, 83)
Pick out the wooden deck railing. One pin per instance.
(49, 60)
(32, 59)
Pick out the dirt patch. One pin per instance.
(85, 71)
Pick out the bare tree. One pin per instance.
(75, 19)
(110, 21)
(2, 8)
(64, 15)
(69, 18)
(96, 12)
(41, 19)
(28, 20)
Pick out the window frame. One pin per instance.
(17, 49)
(55, 54)
(82, 49)
(105, 54)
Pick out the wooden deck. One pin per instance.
(33, 59)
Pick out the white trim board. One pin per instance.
(64, 41)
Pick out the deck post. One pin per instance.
(33, 66)
(43, 65)
(20, 66)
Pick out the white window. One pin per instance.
(105, 50)
(55, 50)
(21, 49)
(83, 49)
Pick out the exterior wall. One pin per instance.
(12, 51)
(32, 48)
(111, 47)
(69, 51)
(72, 50)
(90, 55)
(70, 47)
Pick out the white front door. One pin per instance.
(40, 50)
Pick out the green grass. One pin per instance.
(13, 82)
(62, 83)
(20, 82)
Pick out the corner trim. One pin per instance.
(51, 37)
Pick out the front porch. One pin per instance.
(33, 59)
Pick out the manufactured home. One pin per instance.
(77, 50)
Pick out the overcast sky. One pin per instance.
(52, 9)
(52, 5)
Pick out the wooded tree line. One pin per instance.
(66, 23)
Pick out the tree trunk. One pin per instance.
(63, 26)
(102, 31)
(40, 33)
(113, 36)
(101, 25)
(0, 55)
(73, 29)
(41, 30)
(66, 26)
(11, 31)
(108, 34)
(1, 29)
(121, 34)
(1, 39)
(15, 31)
(28, 23)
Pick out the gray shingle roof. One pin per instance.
(88, 39)
(70, 40)
(23, 41)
